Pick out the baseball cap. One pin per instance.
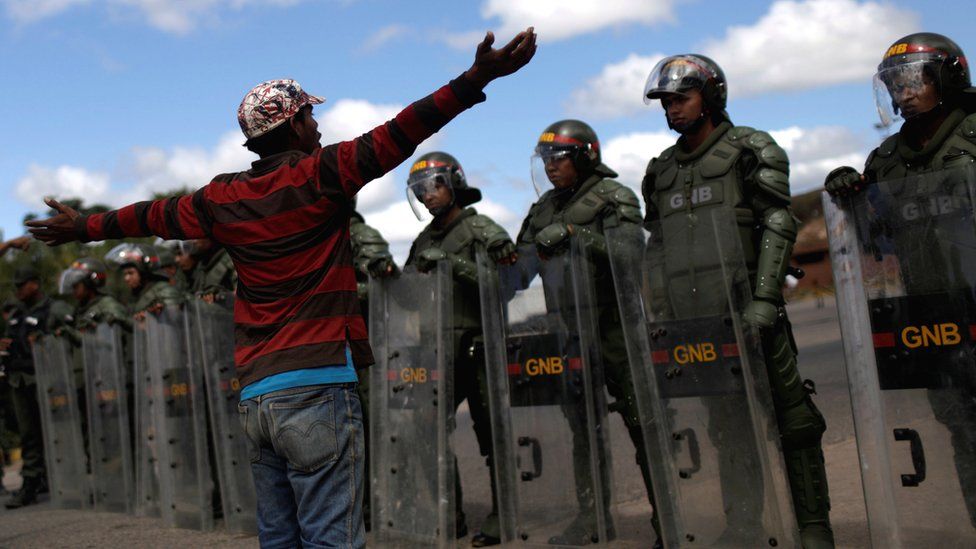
(270, 103)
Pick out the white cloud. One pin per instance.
(807, 44)
(629, 154)
(616, 91)
(813, 152)
(63, 181)
(563, 19)
(384, 36)
(173, 16)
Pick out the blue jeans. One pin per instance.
(306, 449)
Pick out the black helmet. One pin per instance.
(438, 168)
(571, 139)
(574, 138)
(678, 74)
(89, 270)
(141, 256)
(914, 59)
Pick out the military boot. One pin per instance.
(27, 495)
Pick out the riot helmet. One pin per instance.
(914, 65)
(141, 256)
(678, 74)
(433, 171)
(89, 270)
(571, 139)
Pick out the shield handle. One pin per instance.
(918, 456)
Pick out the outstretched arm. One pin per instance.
(345, 167)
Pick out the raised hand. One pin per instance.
(490, 64)
(56, 230)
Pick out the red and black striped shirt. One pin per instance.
(285, 223)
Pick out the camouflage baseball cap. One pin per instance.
(270, 103)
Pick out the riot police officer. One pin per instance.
(583, 200)
(85, 281)
(923, 82)
(437, 186)
(213, 271)
(139, 266)
(35, 315)
(716, 165)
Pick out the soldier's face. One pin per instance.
(81, 292)
(561, 172)
(914, 96)
(131, 277)
(437, 198)
(27, 291)
(186, 262)
(683, 110)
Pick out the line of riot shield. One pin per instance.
(146, 446)
(109, 430)
(903, 254)
(702, 390)
(212, 326)
(547, 404)
(412, 409)
(186, 487)
(64, 447)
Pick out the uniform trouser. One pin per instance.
(9, 439)
(801, 427)
(956, 409)
(470, 382)
(28, 412)
(618, 382)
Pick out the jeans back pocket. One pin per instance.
(304, 430)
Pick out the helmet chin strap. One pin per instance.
(692, 127)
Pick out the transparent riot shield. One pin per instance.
(64, 447)
(702, 390)
(904, 259)
(109, 430)
(179, 416)
(412, 412)
(548, 408)
(146, 445)
(212, 326)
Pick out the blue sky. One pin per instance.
(114, 99)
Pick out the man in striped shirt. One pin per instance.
(299, 331)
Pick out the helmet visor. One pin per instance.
(906, 90)
(676, 75)
(70, 277)
(127, 254)
(546, 155)
(425, 193)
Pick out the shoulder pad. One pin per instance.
(362, 233)
(737, 133)
(967, 128)
(606, 187)
(486, 230)
(665, 155)
(887, 147)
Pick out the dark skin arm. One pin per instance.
(488, 65)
